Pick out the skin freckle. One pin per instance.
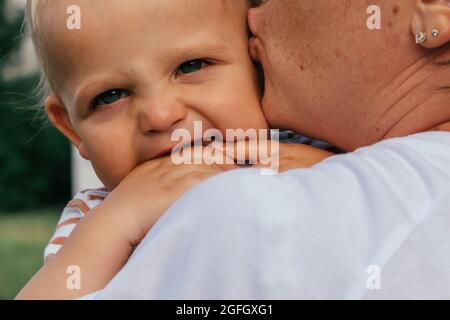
(396, 10)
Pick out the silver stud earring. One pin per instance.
(435, 33)
(421, 37)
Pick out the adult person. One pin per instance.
(372, 223)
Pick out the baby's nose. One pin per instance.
(161, 115)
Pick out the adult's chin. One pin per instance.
(270, 106)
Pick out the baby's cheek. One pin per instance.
(250, 114)
(111, 165)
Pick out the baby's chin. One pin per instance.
(109, 178)
(109, 184)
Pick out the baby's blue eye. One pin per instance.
(192, 66)
(109, 97)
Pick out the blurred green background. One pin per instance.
(34, 160)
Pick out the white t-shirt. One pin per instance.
(371, 224)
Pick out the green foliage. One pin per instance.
(34, 157)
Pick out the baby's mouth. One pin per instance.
(164, 153)
(193, 143)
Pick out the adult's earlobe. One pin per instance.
(431, 23)
(253, 50)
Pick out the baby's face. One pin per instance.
(137, 70)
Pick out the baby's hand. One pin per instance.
(289, 156)
(295, 156)
(150, 189)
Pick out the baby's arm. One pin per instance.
(95, 251)
(74, 211)
(104, 239)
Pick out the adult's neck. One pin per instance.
(417, 100)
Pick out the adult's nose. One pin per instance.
(161, 113)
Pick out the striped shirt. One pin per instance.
(75, 210)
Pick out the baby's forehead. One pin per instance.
(54, 13)
(67, 27)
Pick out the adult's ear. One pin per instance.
(59, 117)
(431, 23)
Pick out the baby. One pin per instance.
(127, 76)
(132, 74)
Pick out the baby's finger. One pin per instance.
(247, 152)
(205, 155)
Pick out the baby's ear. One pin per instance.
(431, 23)
(59, 117)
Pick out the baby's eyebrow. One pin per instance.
(87, 90)
(201, 50)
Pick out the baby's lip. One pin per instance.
(193, 143)
(168, 151)
(164, 152)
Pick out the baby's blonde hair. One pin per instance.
(32, 13)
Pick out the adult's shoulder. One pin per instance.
(393, 181)
(380, 171)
